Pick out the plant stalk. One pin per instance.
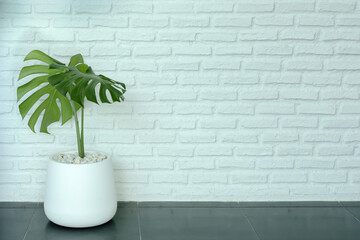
(78, 135)
(82, 132)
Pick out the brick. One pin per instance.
(104, 50)
(303, 65)
(275, 109)
(295, 6)
(74, 22)
(313, 50)
(248, 178)
(193, 165)
(7, 138)
(258, 36)
(132, 7)
(123, 177)
(240, 164)
(239, 78)
(156, 138)
(149, 22)
(173, 151)
(299, 122)
(321, 137)
(52, 8)
(197, 79)
(342, 65)
(273, 50)
(208, 178)
(275, 164)
(290, 34)
(339, 123)
(68, 50)
(173, 8)
(118, 22)
(135, 123)
(58, 35)
(321, 79)
(336, 6)
(281, 78)
(279, 137)
(310, 20)
(220, 65)
(317, 164)
(152, 51)
(192, 50)
(173, 178)
(96, 35)
(219, 95)
(214, 151)
(190, 109)
(339, 95)
(15, 8)
(140, 36)
(115, 138)
(346, 50)
(138, 65)
(184, 95)
(179, 66)
(185, 22)
(175, 36)
(80, 8)
(350, 109)
(151, 79)
(153, 109)
(31, 22)
(325, 109)
(348, 163)
(294, 151)
(351, 78)
(263, 65)
(242, 109)
(218, 124)
(164, 164)
(255, 6)
(327, 177)
(259, 95)
(214, 7)
(336, 151)
(288, 177)
(15, 178)
(263, 122)
(347, 21)
(233, 50)
(281, 20)
(179, 123)
(239, 138)
(197, 138)
(338, 35)
(217, 37)
(232, 22)
(254, 151)
(134, 150)
(16, 36)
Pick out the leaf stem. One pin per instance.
(80, 149)
(82, 132)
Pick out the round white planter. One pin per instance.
(80, 195)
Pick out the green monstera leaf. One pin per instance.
(43, 90)
(80, 80)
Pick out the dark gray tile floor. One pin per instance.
(194, 220)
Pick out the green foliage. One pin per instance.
(65, 83)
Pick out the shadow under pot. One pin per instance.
(80, 195)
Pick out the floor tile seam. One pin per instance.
(138, 219)
(251, 225)
(29, 223)
(345, 208)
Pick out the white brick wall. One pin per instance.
(227, 100)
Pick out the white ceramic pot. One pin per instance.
(80, 195)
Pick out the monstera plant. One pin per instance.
(78, 193)
(70, 84)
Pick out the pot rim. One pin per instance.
(51, 157)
